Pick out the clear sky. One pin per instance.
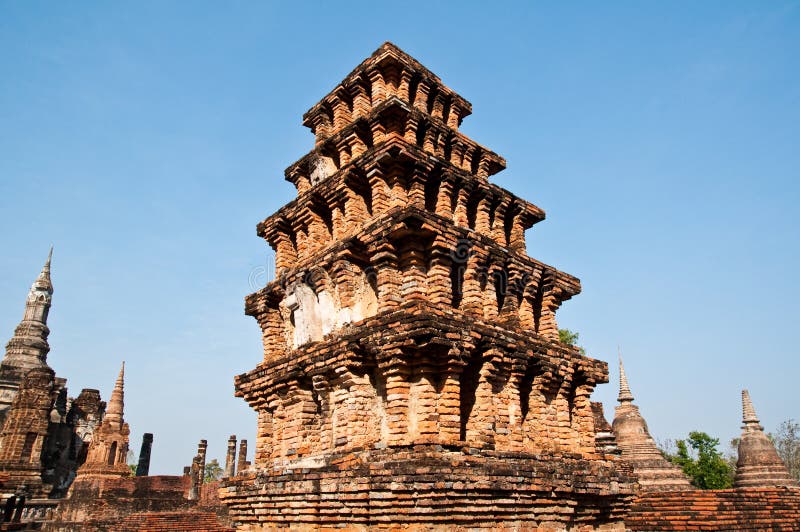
(145, 140)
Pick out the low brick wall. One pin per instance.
(168, 521)
(114, 504)
(427, 487)
(773, 509)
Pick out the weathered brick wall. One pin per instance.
(431, 487)
(187, 521)
(752, 509)
(104, 503)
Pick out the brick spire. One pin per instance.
(625, 394)
(116, 405)
(749, 417)
(43, 282)
(758, 463)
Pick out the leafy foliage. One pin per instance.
(132, 463)
(704, 464)
(213, 471)
(566, 336)
(787, 443)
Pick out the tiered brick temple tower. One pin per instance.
(28, 348)
(43, 433)
(639, 449)
(758, 463)
(412, 373)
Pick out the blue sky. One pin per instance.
(146, 140)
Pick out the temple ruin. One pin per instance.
(412, 372)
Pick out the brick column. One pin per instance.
(230, 457)
(242, 464)
(397, 393)
(201, 452)
(143, 468)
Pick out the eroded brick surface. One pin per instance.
(762, 509)
(104, 503)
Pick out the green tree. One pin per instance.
(131, 459)
(565, 336)
(213, 471)
(704, 464)
(787, 443)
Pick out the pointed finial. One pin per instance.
(42, 282)
(625, 394)
(749, 417)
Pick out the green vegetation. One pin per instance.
(213, 471)
(565, 336)
(703, 464)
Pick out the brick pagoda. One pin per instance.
(639, 449)
(758, 464)
(108, 452)
(412, 373)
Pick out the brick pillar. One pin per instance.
(457, 154)
(421, 99)
(384, 260)
(517, 242)
(410, 133)
(412, 264)
(361, 100)
(201, 452)
(377, 86)
(405, 81)
(440, 289)
(416, 187)
(444, 199)
(230, 458)
(242, 464)
(460, 214)
(455, 114)
(381, 196)
(482, 218)
(143, 468)
(194, 489)
(397, 395)
(449, 401)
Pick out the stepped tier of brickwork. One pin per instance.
(398, 378)
(758, 463)
(427, 487)
(638, 448)
(752, 509)
(407, 326)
